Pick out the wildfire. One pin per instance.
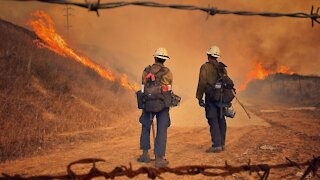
(124, 82)
(44, 28)
(259, 72)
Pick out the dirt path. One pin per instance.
(293, 134)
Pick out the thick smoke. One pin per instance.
(126, 38)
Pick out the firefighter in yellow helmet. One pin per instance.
(156, 81)
(211, 73)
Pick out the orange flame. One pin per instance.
(284, 70)
(44, 28)
(124, 82)
(259, 72)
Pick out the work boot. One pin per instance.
(145, 158)
(161, 162)
(214, 150)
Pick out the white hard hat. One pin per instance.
(214, 51)
(161, 53)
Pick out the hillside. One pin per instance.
(286, 88)
(48, 100)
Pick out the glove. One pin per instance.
(201, 103)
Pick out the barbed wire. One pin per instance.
(96, 5)
(262, 170)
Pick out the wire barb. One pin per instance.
(313, 168)
(95, 6)
(314, 16)
(262, 170)
(293, 163)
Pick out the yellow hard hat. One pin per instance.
(214, 51)
(161, 53)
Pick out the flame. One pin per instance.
(44, 28)
(285, 70)
(124, 82)
(259, 72)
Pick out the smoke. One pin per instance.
(125, 38)
(131, 34)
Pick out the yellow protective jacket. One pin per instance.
(166, 79)
(208, 76)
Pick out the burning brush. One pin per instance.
(44, 28)
(260, 72)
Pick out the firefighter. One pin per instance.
(208, 77)
(155, 77)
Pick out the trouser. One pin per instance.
(218, 126)
(163, 122)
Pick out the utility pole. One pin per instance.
(68, 14)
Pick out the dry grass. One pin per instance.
(47, 100)
(293, 89)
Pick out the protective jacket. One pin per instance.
(166, 78)
(208, 76)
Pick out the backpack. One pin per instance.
(222, 92)
(153, 99)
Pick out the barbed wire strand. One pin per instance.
(96, 5)
(262, 170)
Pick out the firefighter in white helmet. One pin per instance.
(211, 74)
(156, 81)
(214, 51)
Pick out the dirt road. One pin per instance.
(274, 132)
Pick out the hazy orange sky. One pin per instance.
(125, 38)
